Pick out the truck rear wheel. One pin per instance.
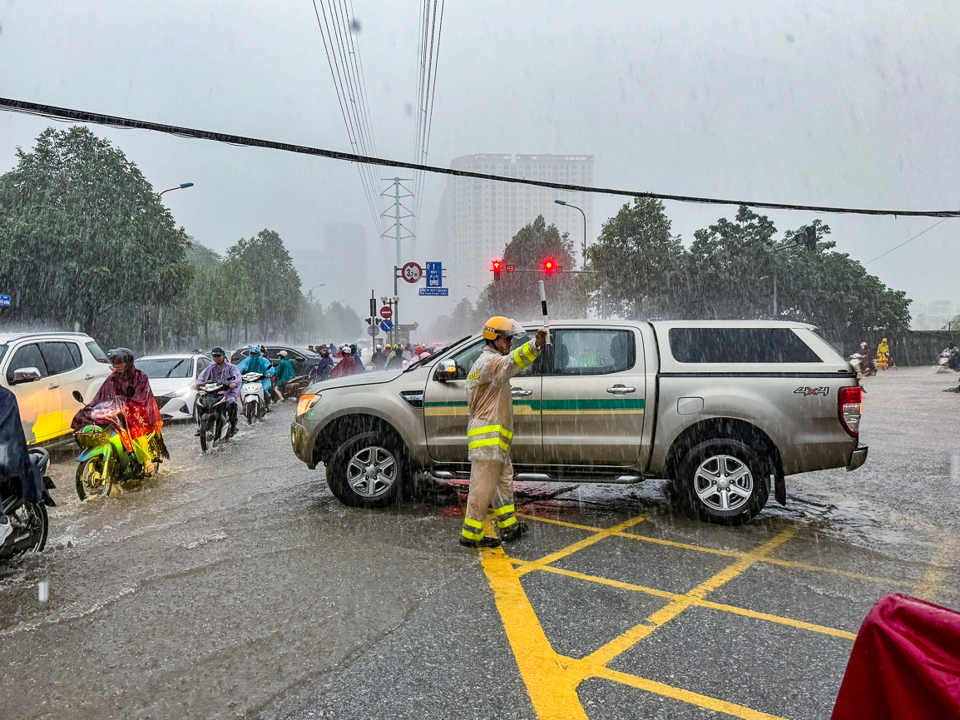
(366, 470)
(722, 481)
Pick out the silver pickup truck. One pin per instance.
(725, 410)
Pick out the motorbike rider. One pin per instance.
(131, 387)
(255, 362)
(225, 372)
(347, 366)
(953, 354)
(322, 369)
(15, 463)
(490, 430)
(285, 372)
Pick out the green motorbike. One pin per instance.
(109, 458)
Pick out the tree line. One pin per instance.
(735, 269)
(85, 243)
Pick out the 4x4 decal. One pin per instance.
(805, 391)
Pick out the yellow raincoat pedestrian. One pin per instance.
(490, 430)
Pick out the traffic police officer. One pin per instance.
(490, 430)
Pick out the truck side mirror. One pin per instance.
(446, 371)
(25, 374)
(78, 397)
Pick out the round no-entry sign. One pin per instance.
(386, 312)
(412, 272)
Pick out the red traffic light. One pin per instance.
(497, 268)
(550, 266)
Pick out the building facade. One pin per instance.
(482, 216)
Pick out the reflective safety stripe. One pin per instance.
(473, 523)
(489, 441)
(528, 352)
(521, 361)
(471, 535)
(508, 522)
(504, 510)
(491, 429)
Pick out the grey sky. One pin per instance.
(822, 103)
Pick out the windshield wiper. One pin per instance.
(175, 367)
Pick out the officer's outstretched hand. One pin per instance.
(541, 337)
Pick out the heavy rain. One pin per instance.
(517, 360)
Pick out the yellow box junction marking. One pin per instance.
(552, 679)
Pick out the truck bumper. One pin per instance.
(300, 440)
(857, 458)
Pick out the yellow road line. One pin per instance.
(580, 545)
(731, 553)
(738, 711)
(637, 633)
(929, 585)
(552, 688)
(677, 597)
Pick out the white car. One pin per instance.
(171, 379)
(43, 370)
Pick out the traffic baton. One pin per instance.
(543, 307)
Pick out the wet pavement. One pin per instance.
(235, 585)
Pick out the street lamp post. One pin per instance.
(566, 204)
(477, 289)
(310, 291)
(181, 186)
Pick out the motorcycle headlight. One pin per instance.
(181, 393)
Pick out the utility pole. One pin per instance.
(399, 213)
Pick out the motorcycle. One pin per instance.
(214, 421)
(252, 397)
(108, 458)
(295, 386)
(860, 364)
(28, 519)
(947, 358)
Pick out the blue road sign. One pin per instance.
(4, 301)
(434, 275)
(386, 325)
(435, 291)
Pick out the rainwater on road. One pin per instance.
(233, 584)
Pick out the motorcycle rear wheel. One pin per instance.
(90, 478)
(204, 429)
(34, 517)
(251, 410)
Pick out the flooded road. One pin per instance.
(235, 585)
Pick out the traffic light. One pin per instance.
(497, 269)
(550, 266)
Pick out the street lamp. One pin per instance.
(477, 289)
(566, 204)
(181, 186)
(310, 291)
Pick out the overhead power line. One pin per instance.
(904, 242)
(82, 116)
(430, 32)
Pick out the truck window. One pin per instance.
(593, 352)
(739, 345)
(98, 354)
(468, 357)
(58, 358)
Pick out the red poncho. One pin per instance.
(133, 389)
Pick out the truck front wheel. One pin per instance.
(722, 481)
(366, 470)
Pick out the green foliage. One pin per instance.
(83, 237)
(465, 320)
(517, 294)
(636, 261)
(275, 284)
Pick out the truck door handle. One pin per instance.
(88, 377)
(53, 387)
(621, 390)
(517, 392)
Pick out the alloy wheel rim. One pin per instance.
(372, 472)
(723, 482)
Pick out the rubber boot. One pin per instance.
(485, 542)
(514, 532)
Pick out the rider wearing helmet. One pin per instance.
(255, 362)
(132, 387)
(490, 430)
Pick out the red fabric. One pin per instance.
(347, 366)
(905, 664)
(142, 413)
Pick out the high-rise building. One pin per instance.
(482, 216)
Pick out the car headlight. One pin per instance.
(305, 403)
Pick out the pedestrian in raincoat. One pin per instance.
(490, 431)
(285, 372)
(131, 387)
(255, 362)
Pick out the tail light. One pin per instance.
(850, 407)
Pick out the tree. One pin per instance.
(464, 320)
(342, 322)
(275, 290)
(517, 294)
(83, 236)
(636, 261)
